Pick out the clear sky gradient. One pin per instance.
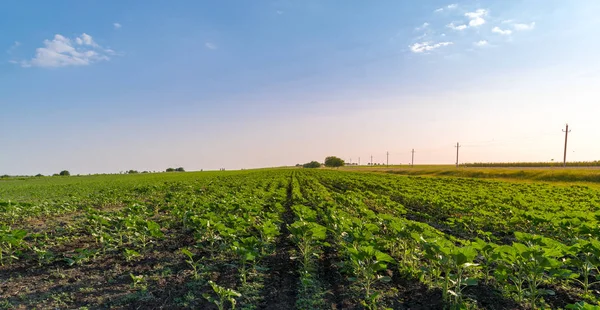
(97, 86)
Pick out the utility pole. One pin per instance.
(566, 131)
(359, 161)
(412, 161)
(457, 146)
(371, 160)
(387, 160)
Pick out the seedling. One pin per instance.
(138, 281)
(367, 263)
(195, 264)
(131, 255)
(224, 295)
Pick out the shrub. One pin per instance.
(332, 161)
(312, 164)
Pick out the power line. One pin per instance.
(566, 131)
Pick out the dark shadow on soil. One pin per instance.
(282, 276)
(489, 297)
(336, 297)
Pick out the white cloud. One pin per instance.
(425, 25)
(427, 46)
(61, 52)
(86, 39)
(481, 43)
(439, 10)
(478, 21)
(454, 27)
(521, 27)
(117, 25)
(210, 45)
(507, 21)
(476, 18)
(477, 13)
(503, 32)
(279, 12)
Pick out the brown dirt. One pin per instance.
(103, 283)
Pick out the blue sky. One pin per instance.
(95, 86)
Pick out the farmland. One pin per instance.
(297, 239)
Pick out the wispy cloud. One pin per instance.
(425, 25)
(117, 25)
(455, 27)
(465, 18)
(504, 32)
(522, 27)
(427, 46)
(279, 12)
(448, 7)
(13, 47)
(210, 45)
(62, 51)
(477, 17)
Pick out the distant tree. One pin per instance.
(298, 165)
(180, 169)
(170, 169)
(64, 173)
(39, 175)
(312, 164)
(144, 171)
(332, 161)
(132, 172)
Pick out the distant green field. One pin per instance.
(554, 174)
(584, 164)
